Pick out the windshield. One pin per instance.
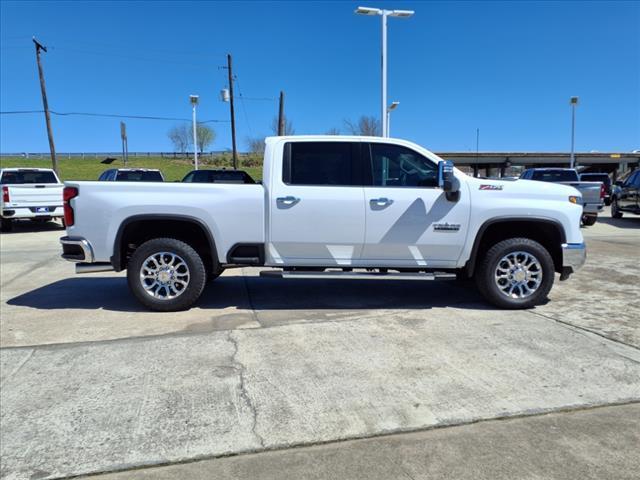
(139, 176)
(22, 177)
(555, 176)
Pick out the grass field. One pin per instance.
(90, 168)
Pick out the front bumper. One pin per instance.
(76, 249)
(573, 257)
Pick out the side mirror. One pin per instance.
(447, 180)
(618, 183)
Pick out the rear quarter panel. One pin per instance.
(232, 213)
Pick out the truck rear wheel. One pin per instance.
(589, 220)
(7, 225)
(516, 273)
(166, 275)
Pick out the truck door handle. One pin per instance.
(381, 202)
(288, 200)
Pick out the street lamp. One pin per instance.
(390, 109)
(573, 102)
(384, 14)
(194, 102)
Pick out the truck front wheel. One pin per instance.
(516, 273)
(166, 275)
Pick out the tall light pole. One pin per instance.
(384, 14)
(194, 103)
(573, 102)
(390, 109)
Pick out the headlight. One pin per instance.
(574, 199)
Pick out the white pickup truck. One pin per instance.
(30, 193)
(330, 207)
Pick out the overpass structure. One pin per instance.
(502, 162)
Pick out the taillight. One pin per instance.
(5, 194)
(602, 191)
(67, 194)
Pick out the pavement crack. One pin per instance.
(587, 330)
(244, 395)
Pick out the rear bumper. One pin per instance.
(32, 212)
(592, 208)
(574, 256)
(76, 249)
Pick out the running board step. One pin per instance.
(359, 275)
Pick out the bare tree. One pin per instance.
(288, 126)
(181, 137)
(255, 144)
(333, 131)
(206, 136)
(366, 125)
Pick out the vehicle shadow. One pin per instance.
(30, 226)
(624, 222)
(112, 294)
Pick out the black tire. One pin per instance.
(7, 225)
(615, 209)
(485, 275)
(590, 220)
(196, 270)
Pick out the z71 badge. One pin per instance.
(446, 227)
(490, 187)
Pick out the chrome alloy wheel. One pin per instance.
(518, 274)
(164, 275)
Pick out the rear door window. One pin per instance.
(321, 163)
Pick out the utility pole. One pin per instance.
(573, 102)
(233, 116)
(123, 136)
(281, 120)
(45, 104)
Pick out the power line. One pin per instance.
(108, 115)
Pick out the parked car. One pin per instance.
(30, 193)
(592, 192)
(218, 176)
(332, 207)
(132, 175)
(599, 177)
(626, 196)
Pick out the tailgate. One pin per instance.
(35, 195)
(590, 191)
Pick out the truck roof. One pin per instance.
(25, 169)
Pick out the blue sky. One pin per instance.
(507, 68)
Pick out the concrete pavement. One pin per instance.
(592, 444)
(91, 383)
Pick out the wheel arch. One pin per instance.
(548, 232)
(140, 228)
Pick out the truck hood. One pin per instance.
(522, 189)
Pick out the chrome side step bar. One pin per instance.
(94, 267)
(359, 275)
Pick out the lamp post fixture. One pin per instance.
(573, 102)
(390, 109)
(384, 14)
(194, 102)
